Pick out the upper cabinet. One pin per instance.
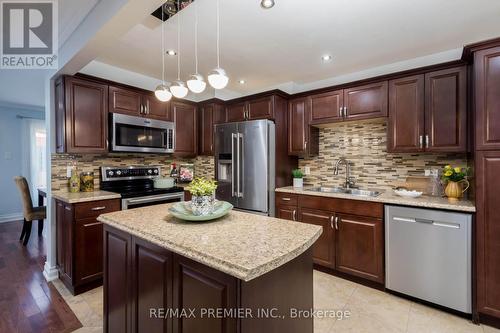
(210, 114)
(362, 102)
(252, 109)
(487, 98)
(236, 112)
(81, 116)
(138, 103)
(428, 112)
(186, 135)
(302, 138)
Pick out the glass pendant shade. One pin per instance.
(218, 78)
(266, 4)
(162, 93)
(178, 89)
(196, 83)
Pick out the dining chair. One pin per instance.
(30, 213)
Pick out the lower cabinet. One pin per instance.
(352, 240)
(79, 242)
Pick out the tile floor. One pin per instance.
(370, 310)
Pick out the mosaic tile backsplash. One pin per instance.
(364, 144)
(203, 165)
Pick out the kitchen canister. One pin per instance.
(87, 182)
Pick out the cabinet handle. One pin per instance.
(427, 141)
(421, 141)
(147, 107)
(336, 223)
(331, 221)
(305, 145)
(67, 208)
(141, 109)
(98, 208)
(345, 111)
(294, 217)
(341, 111)
(91, 224)
(286, 199)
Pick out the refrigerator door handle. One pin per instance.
(237, 193)
(241, 165)
(233, 161)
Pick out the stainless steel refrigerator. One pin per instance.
(245, 165)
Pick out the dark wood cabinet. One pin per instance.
(186, 133)
(79, 242)
(487, 98)
(324, 247)
(260, 108)
(365, 102)
(488, 232)
(236, 112)
(138, 103)
(428, 112)
(327, 107)
(81, 116)
(359, 246)
(157, 109)
(209, 115)
(303, 139)
(286, 212)
(405, 130)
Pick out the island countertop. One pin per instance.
(240, 244)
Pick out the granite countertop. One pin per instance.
(240, 244)
(389, 197)
(77, 197)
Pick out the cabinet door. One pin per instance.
(207, 129)
(303, 140)
(60, 235)
(157, 109)
(152, 286)
(261, 108)
(487, 98)
(86, 116)
(368, 101)
(185, 129)
(88, 251)
(67, 241)
(126, 101)
(197, 286)
(488, 232)
(405, 132)
(236, 112)
(60, 116)
(359, 247)
(286, 212)
(219, 114)
(326, 108)
(446, 110)
(323, 249)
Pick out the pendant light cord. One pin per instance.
(218, 35)
(178, 40)
(163, 44)
(196, 36)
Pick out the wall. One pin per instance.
(11, 159)
(203, 166)
(364, 144)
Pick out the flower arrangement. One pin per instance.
(202, 187)
(454, 174)
(297, 173)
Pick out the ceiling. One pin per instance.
(283, 45)
(26, 87)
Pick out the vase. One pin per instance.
(455, 190)
(298, 182)
(202, 205)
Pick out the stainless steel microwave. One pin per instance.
(141, 135)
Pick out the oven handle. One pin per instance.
(154, 198)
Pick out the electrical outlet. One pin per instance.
(427, 172)
(307, 170)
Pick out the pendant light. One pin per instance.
(161, 92)
(196, 83)
(178, 88)
(218, 78)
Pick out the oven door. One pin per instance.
(136, 134)
(151, 200)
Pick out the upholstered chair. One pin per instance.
(30, 213)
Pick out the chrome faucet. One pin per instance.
(349, 181)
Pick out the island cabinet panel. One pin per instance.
(487, 98)
(367, 101)
(406, 114)
(488, 233)
(324, 247)
(236, 112)
(197, 286)
(326, 107)
(359, 247)
(446, 110)
(303, 140)
(186, 135)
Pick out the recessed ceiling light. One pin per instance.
(242, 81)
(266, 4)
(326, 57)
(171, 52)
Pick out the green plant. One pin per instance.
(454, 174)
(202, 187)
(297, 173)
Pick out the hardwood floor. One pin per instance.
(27, 302)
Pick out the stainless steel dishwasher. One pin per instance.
(428, 255)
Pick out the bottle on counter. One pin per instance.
(174, 173)
(74, 181)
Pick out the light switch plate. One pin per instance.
(307, 170)
(427, 172)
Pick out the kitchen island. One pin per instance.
(241, 273)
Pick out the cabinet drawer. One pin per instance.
(345, 206)
(287, 199)
(96, 208)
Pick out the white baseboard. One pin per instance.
(50, 273)
(11, 217)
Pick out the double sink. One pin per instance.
(351, 191)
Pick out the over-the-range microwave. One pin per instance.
(141, 135)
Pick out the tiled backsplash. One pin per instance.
(203, 165)
(364, 144)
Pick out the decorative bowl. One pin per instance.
(408, 194)
(183, 211)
